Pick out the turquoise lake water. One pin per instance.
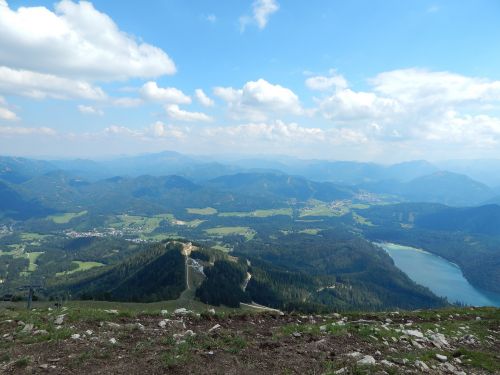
(445, 279)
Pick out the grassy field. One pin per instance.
(318, 208)
(361, 220)
(312, 231)
(248, 233)
(141, 223)
(202, 211)
(32, 257)
(66, 217)
(33, 237)
(259, 213)
(82, 266)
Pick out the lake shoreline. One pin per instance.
(442, 277)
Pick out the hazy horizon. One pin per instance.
(366, 81)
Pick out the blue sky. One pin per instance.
(358, 80)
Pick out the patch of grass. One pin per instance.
(246, 232)
(4, 357)
(479, 359)
(311, 231)
(319, 208)
(259, 213)
(361, 220)
(202, 211)
(32, 257)
(81, 266)
(178, 355)
(66, 217)
(22, 362)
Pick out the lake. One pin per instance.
(444, 278)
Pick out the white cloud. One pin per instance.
(348, 105)
(89, 110)
(261, 12)
(259, 100)
(77, 41)
(151, 91)
(212, 18)
(175, 113)
(420, 106)
(5, 112)
(276, 131)
(39, 86)
(428, 87)
(127, 102)
(21, 131)
(325, 83)
(159, 129)
(203, 98)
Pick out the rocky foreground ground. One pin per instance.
(97, 341)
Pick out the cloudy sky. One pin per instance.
(380, 80)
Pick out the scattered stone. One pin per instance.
(89, 332)
(478, 318)
(343, 370)
(163, 323)
(441, 358)
(296, 334)
(112, 341)
(416, 344)
(386, 363)
(422, 366)
(413, 332)
(164, 312)
(114, 312)
(75, 336)
(211, 311)
(44, 366)
(322, 328)
(438, 340)
(41, 332)
(113, 325)
(214, 328)
(59, 320)
(354, 354)
(28, 328)
(367, 360)
(182, 311)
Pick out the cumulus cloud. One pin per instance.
(259, 100)
(175, 113)
(324, 83)
(151, 91)
(261, 12)
(39, 86)
(89, 110)
(77, 41)
(420, 106)
(5, 112)
(159, 129)
(203, 98)
(275, 131)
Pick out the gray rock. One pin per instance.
(422, 366)
(441, 358)
(59, 320)
(367, 360)
(28, 328)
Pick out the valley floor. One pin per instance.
(87, 338)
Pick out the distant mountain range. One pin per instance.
(65, 181)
